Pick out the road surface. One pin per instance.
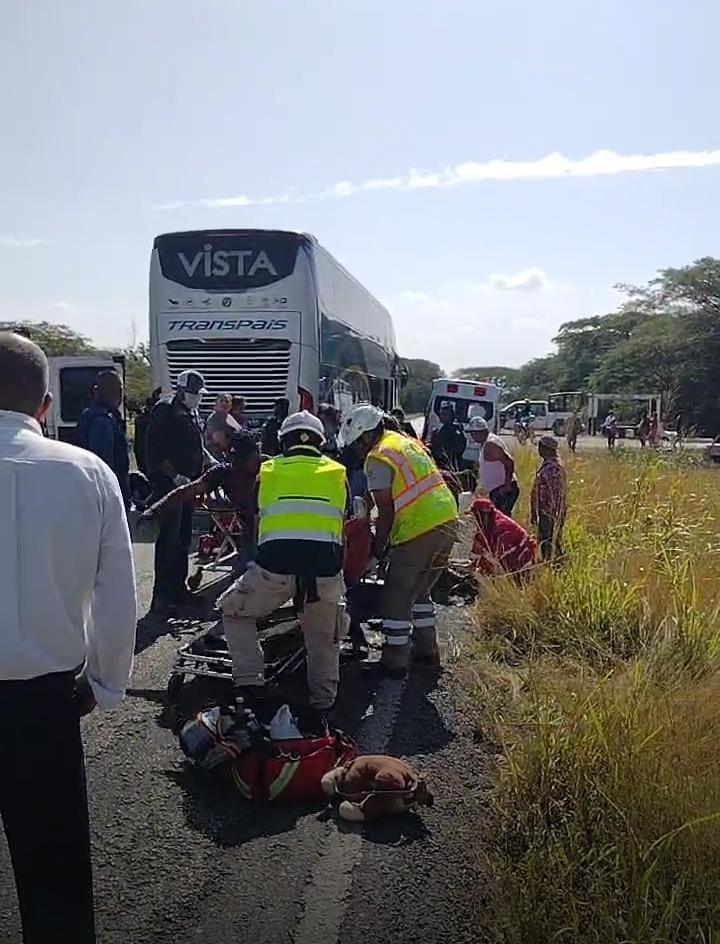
(178, 858)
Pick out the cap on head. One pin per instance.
(477, 424)
(549, 443)
(363, 418)
(191, 381)
(304, 421)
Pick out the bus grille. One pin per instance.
(255, 369)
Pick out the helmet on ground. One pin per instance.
(361, 419)
(191, 381)
(477, 424)
(304, 421)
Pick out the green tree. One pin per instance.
(54, 339)
(416, 392)
(138, 376)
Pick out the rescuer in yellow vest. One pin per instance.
(301, 503)
(416, 529)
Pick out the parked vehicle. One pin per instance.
(268, 314)
(468, 398)
(72, 378)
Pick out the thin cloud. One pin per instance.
(552, 166)
(529, 280)
(21, 242)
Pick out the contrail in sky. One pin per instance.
(550, 167)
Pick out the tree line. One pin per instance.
(664, 338)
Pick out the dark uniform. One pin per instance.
(174, 439)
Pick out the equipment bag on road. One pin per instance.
(266, 768)
(291, 771)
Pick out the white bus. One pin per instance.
(264, 314)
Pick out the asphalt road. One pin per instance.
(180, 857)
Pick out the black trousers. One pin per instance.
(43, 805)
(504, 501)
(171, 553)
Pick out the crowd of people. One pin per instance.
(294, 489)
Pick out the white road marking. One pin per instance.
(328, 888)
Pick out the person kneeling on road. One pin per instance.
(302, 501)
(416, 530)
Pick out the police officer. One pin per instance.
(415, 532)
(174, 458)
(302, 502)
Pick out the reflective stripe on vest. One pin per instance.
(302, 498)
(421, 499)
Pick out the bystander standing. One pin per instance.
(270, 443)
(101, 428)
(548, 501)
(175, 457)
(68, 599)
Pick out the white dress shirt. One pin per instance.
(67, 583)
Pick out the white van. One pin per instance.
(468, 398)
(72, 378)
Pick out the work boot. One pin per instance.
(395, 660)
(425, 646)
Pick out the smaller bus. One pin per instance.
(468, 398)
(562, 405)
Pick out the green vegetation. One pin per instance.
(664, 339)
(59, 340)
(597, 689)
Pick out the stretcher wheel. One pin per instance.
(175, 684)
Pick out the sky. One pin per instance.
(488, 170)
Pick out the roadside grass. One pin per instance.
(597, 688)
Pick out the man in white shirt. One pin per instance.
(496, 467)
(67, 600)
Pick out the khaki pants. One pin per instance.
(414, 568)
(255, 595)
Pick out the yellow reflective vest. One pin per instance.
(421, 499)
(302, 498)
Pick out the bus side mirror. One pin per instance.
(404, 377)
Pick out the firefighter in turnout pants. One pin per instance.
(301, 502)
(416, 529)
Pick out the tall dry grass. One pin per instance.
(598, 688)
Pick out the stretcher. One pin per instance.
(208, 657)
(222, 544)
(280, 633)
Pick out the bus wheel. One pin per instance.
(559, 427)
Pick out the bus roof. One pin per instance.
(291, 234)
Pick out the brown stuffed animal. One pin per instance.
(375, 785)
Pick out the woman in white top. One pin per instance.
(496, 467)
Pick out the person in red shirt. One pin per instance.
(548, 501)
(501, 545)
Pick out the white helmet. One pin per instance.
(361, 419)
(304, 420)
(477, 424)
